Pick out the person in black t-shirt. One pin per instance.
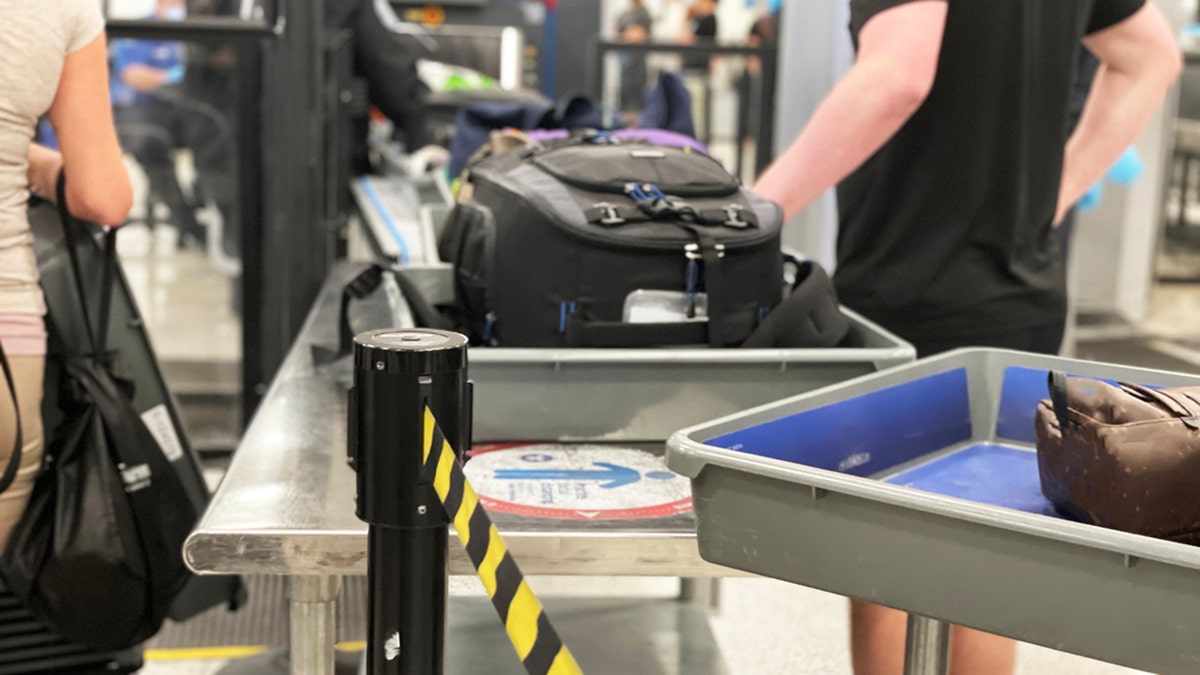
(948, 142)
(701, 30)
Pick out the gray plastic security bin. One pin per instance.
(645, 394)
(620, 395)
(917, 488)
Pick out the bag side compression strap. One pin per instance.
(366, 283)
(14, 460)
(533, 637)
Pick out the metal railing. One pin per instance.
(764, 135)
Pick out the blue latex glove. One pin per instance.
(1128, 167)
(174, 74)
(1092, 198)
(772, 5)
(1125, 171)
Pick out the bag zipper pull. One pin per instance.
(691, 277)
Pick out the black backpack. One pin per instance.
(557, 239)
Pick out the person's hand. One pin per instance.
(427, 159)
(42, 175)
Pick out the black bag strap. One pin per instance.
(68, 223)
(366, 283)
(72, 238)
(714, 285)
(1056, 380)
(14, 460)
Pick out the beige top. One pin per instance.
(35, 38)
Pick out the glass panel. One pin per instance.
(175, 108)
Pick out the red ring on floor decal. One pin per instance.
(552, 467)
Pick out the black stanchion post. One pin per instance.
(396, 374)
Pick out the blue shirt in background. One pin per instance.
(154, 53)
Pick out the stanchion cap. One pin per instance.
(418, 351)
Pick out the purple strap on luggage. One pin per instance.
(655, 136)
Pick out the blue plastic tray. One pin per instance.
(917, 488)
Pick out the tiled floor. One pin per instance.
(763, 626)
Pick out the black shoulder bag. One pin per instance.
(97, 554)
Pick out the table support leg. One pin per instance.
(927, 647)
(704, 592)
(313, 623)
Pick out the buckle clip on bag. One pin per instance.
(97, 554)
(1122, 456)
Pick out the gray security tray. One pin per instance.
(643, 394)
(912, 488)
(624, 394)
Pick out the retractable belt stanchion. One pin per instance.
(397, 373)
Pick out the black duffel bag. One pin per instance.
(558, 239)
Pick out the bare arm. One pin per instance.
(143, 78)
(98, 188)
(892, 76)
(1139, 60)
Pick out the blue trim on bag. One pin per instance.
(565, 309)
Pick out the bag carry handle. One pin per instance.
(366, 283)
(14, 460)
(97, 338)
(1056, 380)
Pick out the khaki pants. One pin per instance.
(28, 374)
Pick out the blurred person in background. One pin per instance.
(700, 29)
(634, 26)
(156, 118)
(386, 51)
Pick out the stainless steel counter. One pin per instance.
(286, 505)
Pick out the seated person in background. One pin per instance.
(154, 119)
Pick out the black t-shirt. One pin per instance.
(946, 231)
(705, 30)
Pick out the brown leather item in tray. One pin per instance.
(1129, 458)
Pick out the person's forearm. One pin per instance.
(1117, 108)
(862, 112)
(144, 78)
(44, 167)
